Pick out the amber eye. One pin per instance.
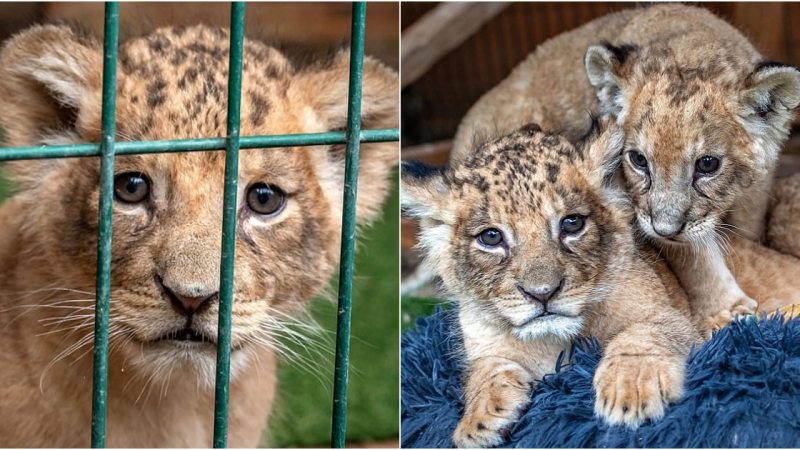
(572, 224)
(131, 188)
(265, 199)
(491, 237)
(707, 164)
(637, 159)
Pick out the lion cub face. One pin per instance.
(168, 207)
(698, 134)
(524, 230)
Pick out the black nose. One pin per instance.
(542, 294)
(186, 304)
(666, 233)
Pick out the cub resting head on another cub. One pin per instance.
(704, 118)
(536, 248)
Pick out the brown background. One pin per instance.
(311, 27)
(436, 102)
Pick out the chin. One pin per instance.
(554, 326)
(185, 357)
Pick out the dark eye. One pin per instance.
(131, 187)
(638, 159)
(572, 224)
(264, 199)
(707, 164)
(491, 237)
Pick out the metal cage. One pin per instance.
(232, 143)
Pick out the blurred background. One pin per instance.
(453, 53)
(302, 413)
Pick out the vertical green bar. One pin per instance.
(229, 227)
(338, 432)
(100, 379)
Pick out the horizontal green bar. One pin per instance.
(194, 145)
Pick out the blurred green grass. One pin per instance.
(302, 412)
(303, 409)
(413, 307)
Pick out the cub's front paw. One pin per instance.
(497, 406)
(632, 389)
(743, 306)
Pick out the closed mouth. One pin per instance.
(547, 315)
(186, 335)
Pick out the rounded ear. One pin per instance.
(602, 150)
(323, 88)
(773, 91)
(529, 129)
(604, 66)
(50, 93)
(423, 190)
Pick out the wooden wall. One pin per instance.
(436, 102)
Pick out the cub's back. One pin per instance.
(551, 86)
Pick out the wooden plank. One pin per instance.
(434, 153)
(762, 23)
(439, 31)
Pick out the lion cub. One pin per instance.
(167, 224)
(537, 250)
(704, 117)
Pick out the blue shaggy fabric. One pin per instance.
(743, 390)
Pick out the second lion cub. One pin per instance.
(537, 250)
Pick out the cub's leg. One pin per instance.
(715, 296)
(501, 373)
(497, 392)
(643, 367)
(770, 277)
(783, 229)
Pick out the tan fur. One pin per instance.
(171, 85)
(524, 185)
(683, 84)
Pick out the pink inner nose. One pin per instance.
(185, 303)
(192, 304)
(543, 293)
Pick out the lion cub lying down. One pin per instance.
(538, 250)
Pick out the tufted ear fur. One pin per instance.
(602, 150)
(773, 91)
(605, 67)
(50, 93)
(324, 88)
(423, 191)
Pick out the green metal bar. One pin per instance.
(193, 145)
(229, 227)
(338, 432)
(103, 300)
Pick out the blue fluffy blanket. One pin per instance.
(743, 390)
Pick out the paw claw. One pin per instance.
(744, 306)
(490, 418)
(637, 389)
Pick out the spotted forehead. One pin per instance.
(178, 76)
(518, 157)
(520, 170)
(675, 125)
